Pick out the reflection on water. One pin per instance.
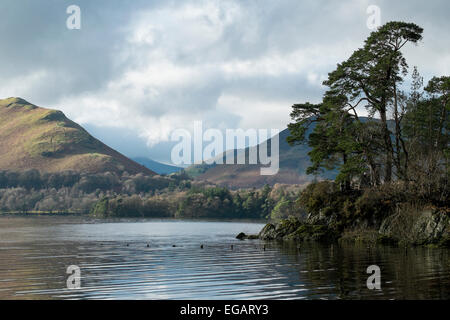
(116, 263)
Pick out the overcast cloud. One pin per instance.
(139, 69)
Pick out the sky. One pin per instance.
(137, 70)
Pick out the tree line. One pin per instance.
(111, 195)
(89, 183)
(201, 201)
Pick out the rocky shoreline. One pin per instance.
(430, 227)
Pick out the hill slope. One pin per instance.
(293, 163)
(37, 138)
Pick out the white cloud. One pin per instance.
(256, 113)
(23, 85)
(155, 66)
(176, 73)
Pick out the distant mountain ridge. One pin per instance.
(32, 137)
(158, 167)
(294, 161)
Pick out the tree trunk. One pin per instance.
(374, 175)
(402, 170)
(388, 145)
(345, 186)
(442, 117)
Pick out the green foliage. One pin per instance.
(80, 193)
(374, 205)
(318, 197)
(219, 202)
(111, 195)
(342, 210)
(282, 210)
(307, 232)
(326, 200)
(131, 206)
(100, 209)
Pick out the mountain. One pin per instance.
(293, 163)
(32, 137)
(158, 167)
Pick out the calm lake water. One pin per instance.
(116, 263)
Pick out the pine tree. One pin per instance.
(372, 74)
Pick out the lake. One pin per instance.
(157, 259)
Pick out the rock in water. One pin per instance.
(241, 236)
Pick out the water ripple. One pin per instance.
(116, 263)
